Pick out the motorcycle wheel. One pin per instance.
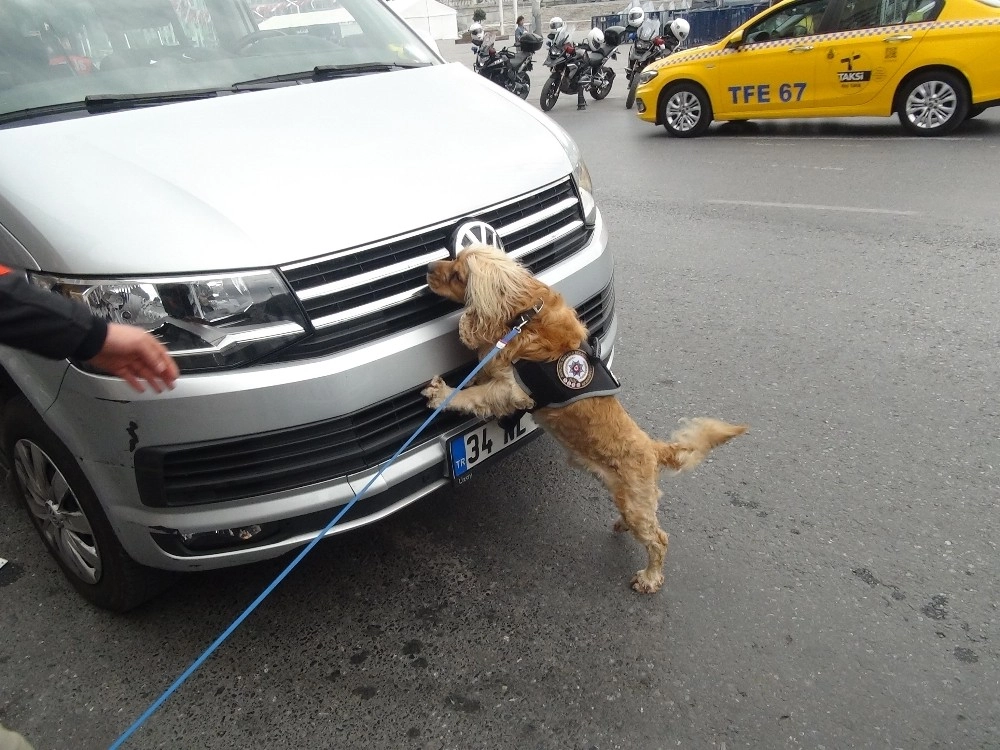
(632, 86)
(602, 90)
(550, 94)
(524, 85)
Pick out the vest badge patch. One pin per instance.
(574, 371)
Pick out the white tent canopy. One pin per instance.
(429, 17)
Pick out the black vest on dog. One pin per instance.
(576, 375)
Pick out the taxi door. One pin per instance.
(772, 72)
(868, 46)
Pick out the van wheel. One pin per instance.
(68, 516)
(685, 110)
(932, 103)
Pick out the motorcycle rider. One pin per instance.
(634, 20)
(593, 43)
(477, 33)
(679, 29)
(555, 26)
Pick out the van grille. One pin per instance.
(377, 290)
(220, 470)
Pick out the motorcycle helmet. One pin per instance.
(635, 17)
(476, 30)
(595, 38)
(556, 25)
(680, 29)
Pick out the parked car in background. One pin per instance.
(255, 198)
(931, 62)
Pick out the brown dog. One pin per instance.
(598, 432)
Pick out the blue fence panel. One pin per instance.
(708, 25)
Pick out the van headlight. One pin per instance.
(207, 321)
(582, 176)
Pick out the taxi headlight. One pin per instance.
(207, 321)
(647, 75)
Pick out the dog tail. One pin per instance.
(690, 444)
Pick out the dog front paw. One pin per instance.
(436, 392)
(645, 583)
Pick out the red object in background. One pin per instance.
(80, 64)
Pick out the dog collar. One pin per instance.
(524, 317)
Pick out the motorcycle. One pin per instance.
(506, 68)
(648, 47)
(580, 67)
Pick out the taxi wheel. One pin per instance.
(69, 518)
(685, 110)
(932, 103)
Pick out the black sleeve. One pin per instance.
(46, 323)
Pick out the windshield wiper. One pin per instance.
(324, 73)
(96, 103)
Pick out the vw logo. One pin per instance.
(473, 232)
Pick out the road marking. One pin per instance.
(815, 207)
(848, 139)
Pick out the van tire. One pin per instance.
(68, 517)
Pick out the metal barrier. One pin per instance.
(708, 25)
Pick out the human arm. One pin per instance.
(55, 327)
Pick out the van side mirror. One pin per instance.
(734, 40)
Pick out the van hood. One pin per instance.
(265, 178)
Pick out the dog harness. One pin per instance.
(577, 374)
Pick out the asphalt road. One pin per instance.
(831, 578)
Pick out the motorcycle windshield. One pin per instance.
(648, 31)
(562, 37)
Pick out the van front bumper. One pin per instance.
(106, 425)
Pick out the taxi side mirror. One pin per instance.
(734, 40)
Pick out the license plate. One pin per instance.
(475, 447)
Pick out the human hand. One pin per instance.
(135, 356)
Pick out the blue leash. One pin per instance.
(305, 550)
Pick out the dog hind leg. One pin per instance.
(637, 505)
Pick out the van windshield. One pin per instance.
(61, 52)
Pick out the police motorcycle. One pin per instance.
(650, 46)
(506, 68)
(579, 67)
(603, 46)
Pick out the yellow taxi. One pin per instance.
(933, 62)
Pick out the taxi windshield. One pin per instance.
(57, 53)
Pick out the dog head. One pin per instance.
(483, 279)
(494, 288)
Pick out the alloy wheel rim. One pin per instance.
(683, 111)
(57, 511)
(931, 104)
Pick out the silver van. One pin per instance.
(265, 198)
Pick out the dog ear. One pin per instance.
(497, 286)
